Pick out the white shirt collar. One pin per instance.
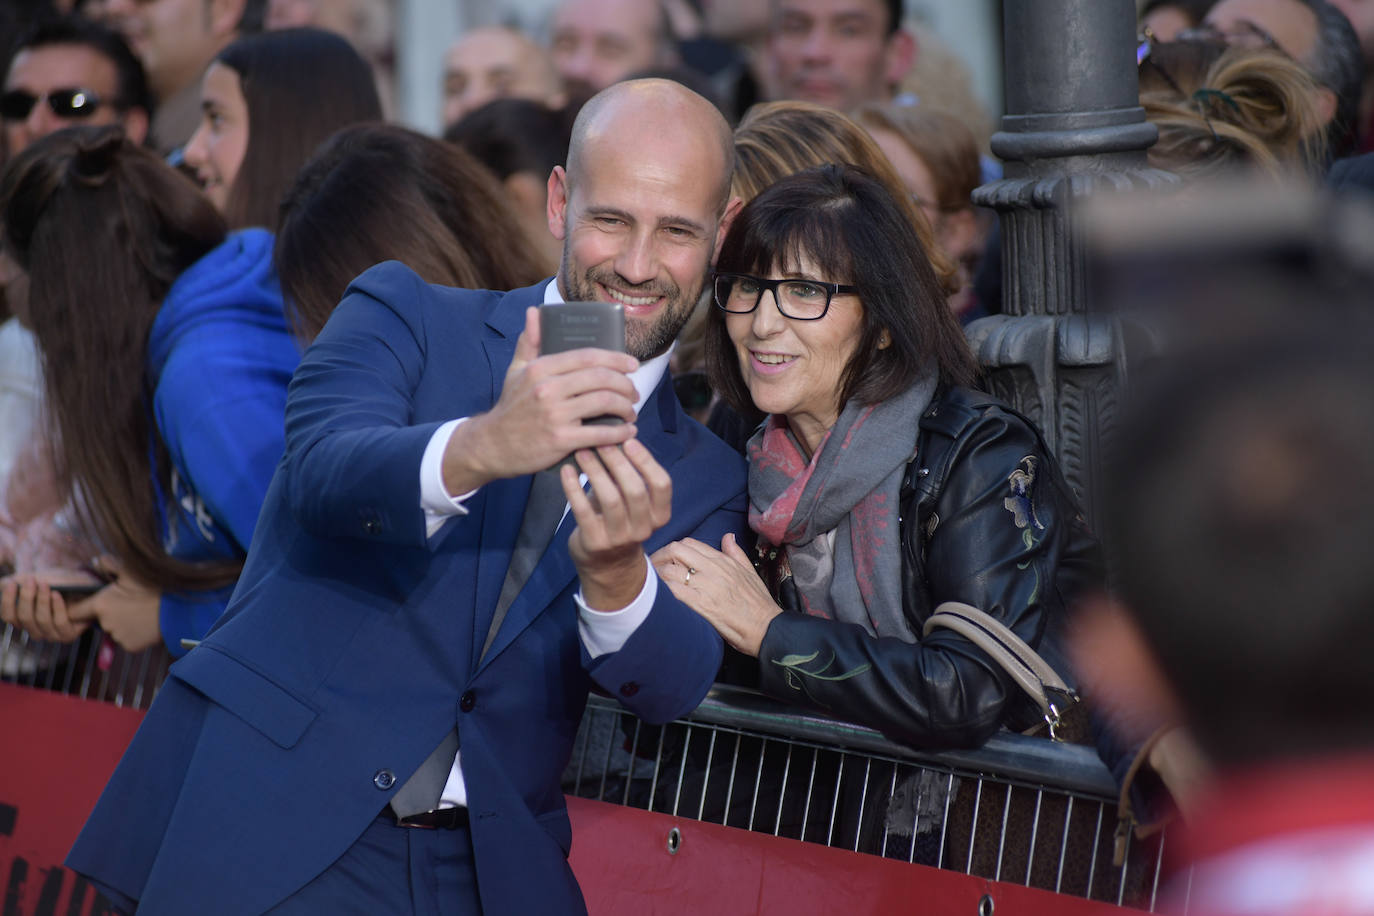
(650, 372)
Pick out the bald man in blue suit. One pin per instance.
(361, 639)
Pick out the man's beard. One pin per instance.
(642, 341)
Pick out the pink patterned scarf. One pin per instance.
(837, 515)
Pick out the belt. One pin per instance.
(439, 819)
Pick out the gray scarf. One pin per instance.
(851, 487)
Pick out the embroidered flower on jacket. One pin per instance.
(1020, 503)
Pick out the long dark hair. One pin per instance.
(104, 228)
(300, 86)
(377, 192)
(851, 228)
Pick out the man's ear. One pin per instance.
(1326, 104)
(558, 203)
(135, 122)
(899, 56)
(731, 211)
(222, 16)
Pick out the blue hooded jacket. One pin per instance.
(220, 356)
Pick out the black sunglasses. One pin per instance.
(16, 104)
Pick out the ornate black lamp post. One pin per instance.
(1074, 128)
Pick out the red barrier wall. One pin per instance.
(58, 751)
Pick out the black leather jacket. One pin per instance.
(987, 519)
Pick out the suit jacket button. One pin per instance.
(629, 689)
(468, 701)
(384, 779)
(372, 526)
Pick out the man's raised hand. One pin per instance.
(537, 421)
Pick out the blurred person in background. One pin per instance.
(176, 40)
(720, 41)
(70, 72)
(267, 103)
(367, 24)
(937, 159)
(496, 62)
(1231, 112)
(1361, 16)
(942, 80)
(594, 43)
(840, 53)
(521, 141)
(1315, 34)
(64, 72)
(166, 359)
(1163, 20)
(1236, 500)
(376, 193)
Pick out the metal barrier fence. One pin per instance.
(1019, 810)
(92, 667)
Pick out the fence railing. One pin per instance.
(1021, 810)
(92, 667)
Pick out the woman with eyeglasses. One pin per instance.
(880, 484)
(268, 101)
(166, 358)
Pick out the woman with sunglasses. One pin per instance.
(268, 101)
(880, 484)
(166, 358)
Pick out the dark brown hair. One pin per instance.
(377, 192)
(846, 223)
(104, 228)
(300, 86)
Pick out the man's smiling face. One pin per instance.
(639, 224)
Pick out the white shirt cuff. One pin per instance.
(604, 632)
(435, 499)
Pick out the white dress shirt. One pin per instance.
(602, 632)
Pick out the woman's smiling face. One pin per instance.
(794, 368)
(216, 150)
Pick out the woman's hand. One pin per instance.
(126, 608)
(722, 586)
(31, 603)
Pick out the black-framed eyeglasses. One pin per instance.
(16, 104)
(803, 300)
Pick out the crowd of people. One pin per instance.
(272, 396)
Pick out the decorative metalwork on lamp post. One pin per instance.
(1074, 128)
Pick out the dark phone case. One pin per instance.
(69, 592)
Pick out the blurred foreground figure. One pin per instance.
(1239, 519)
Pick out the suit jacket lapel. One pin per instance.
(503, 501)
(658, 432)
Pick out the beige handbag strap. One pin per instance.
(1031, 672)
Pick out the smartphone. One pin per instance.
(574, 325)
(76, 591)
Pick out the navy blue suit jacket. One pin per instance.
(353, 638)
